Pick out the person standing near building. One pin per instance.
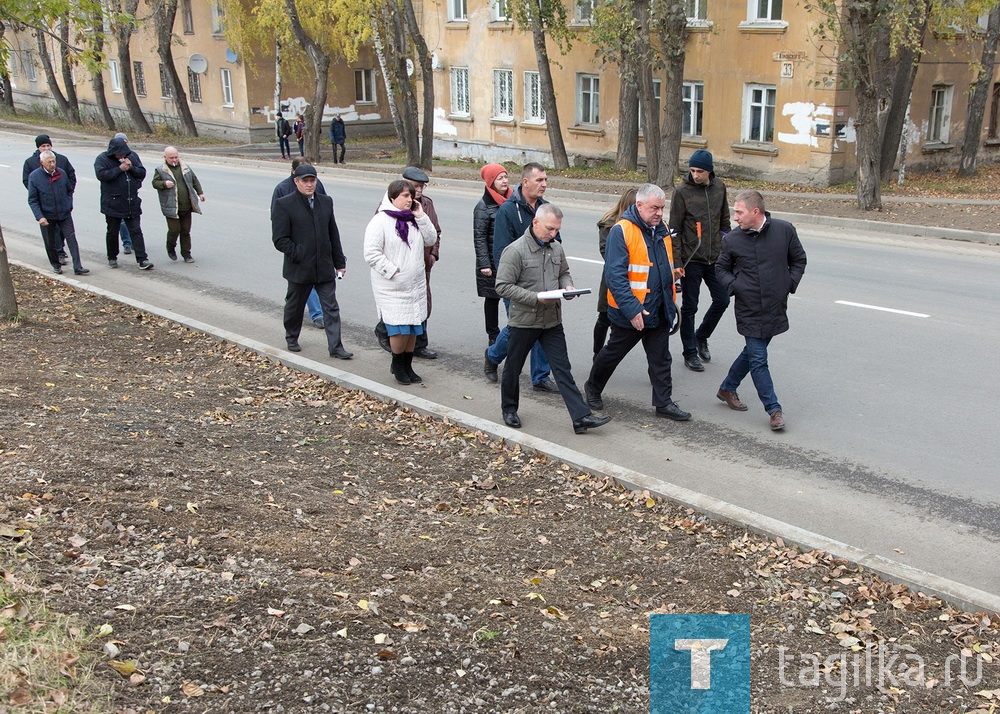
(44, 143)
(299, 129)
(640, 278)
(283, 130)
(533, 264)
(180, 196)
(761, 263)
(121, 174)
(483, 216)
(304, 228)
(699, 218)
(51, 201)
(338, 137)
(418, 181)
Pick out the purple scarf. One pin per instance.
(402, 219)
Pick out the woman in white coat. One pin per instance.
(394, 249)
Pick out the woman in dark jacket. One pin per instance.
(497, 191)
(604, 227)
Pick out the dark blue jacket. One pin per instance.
(659, 301)
(338, 132)
(62, 163)
(50, 197)
(512, 220)
(119, 189)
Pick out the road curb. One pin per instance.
(959, 595)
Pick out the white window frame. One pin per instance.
(461, 98)
(166, 90)
(226, 77)
(503, 94)
(939, 115)
(115, 76)
(218, 19)
(770, 7)
(499, 11)
(588, 99)
(693, 101)
(187, 17)
(583, 11)
(364, 86)
(753, 101)
(657, 89)
(697, 11)
(534, 107)
(458, 11)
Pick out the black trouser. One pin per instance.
(694, 274)
(56, 233)
(601, 328)
(179, 227)
(491, 311)
(135, 232)
(57, 241)
(553, 341)
(295, 301)
(656, 343)
(343, 149)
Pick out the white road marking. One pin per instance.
(4, 166)
(586, 260)
(882, 309)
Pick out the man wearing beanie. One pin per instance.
(699, 217)
(44, 143)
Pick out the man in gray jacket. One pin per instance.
(533, 264)
(180, 194)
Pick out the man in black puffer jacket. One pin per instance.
(121, 173)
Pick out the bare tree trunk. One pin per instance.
(904, 139)
(66, 67)
(977, 99)
(277, 75)
(123, 32)
(644, 75)
(672, 29)
(321, 69)
(390, 84)
(8, 299)
(96, 50)
(50, 77)
(627, 156)
(395, 48)
(164, 14)
(560, 160)
(427, 76)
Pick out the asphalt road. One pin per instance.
(887, 376)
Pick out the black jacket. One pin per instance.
(119, 189)
(761, 270)
(483, 218)
(694, 203)
(62, 163)
(309, 238)
(287, 186)
(512, 220)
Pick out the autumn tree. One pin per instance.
(164, 15)
(123, 21)
(977, 98)
(669, 18)
(393, 49)
(613, 34)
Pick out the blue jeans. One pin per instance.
(753, 360)
(125, 235)
(539, 363)
(313, 305)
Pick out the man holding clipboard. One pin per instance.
(534, 275)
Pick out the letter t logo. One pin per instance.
(701, 660)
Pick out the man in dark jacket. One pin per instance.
(44, 143)
(640, 278)
(512, 220)
(761, 263)
(304, 228)
(338, 137)
(699, 217)
(121, 173)
(51, 202)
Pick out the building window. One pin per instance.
(227, 87)
(499, 11)
(140, 79)
(693, 97)
(457, 11)
(187, 17)
(460, 102)
(940, 118)
(364, 86)
(534, 108)
(218, 19)
(29, 66)
(166, 88)
(115, 74)
(503, 94)
(194, 86)
(583, 10)
(765, 10)
(13, 70)
(758, 113)
(698, 9)
(656, 101)
(991, 132)
(588, 99)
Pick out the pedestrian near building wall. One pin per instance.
(121, 174)
(338, 137)
(299, 129)
(51, 200)
(44, 143)
(180, 195)
(283, 130)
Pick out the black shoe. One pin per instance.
(512, 420)
(546, 385)
(383, 341)
(317, 322)
(57, 269)
(341, 353)
(63, 259)
(145, 265)
(293, 346)
(127, 250)
(399, 370)
(172, 255)
(489, 367)
(590, 421)
(188, 259)
(694, 363)
(408, 368)
(703, 352)
(112, 263)
(594, 400)
(672, 411)
(425, 353)
(81, 271)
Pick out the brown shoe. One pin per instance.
(777, 421)
(732, 399)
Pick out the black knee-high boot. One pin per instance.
(408, 367)
(398, 370)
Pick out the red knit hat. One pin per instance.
(490, 172)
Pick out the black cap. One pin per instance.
(304, 170)
(42, 139)
(412, 173)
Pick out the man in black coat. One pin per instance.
(44, 143)
(303, 227)
(761, 263)
(121, 173)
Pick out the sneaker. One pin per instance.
(145, 265)
(188, 259)
(81, 271)
(172, 255)
(127, 250)
(112, 263)
(57, 269)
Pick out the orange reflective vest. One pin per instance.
(639, 263)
